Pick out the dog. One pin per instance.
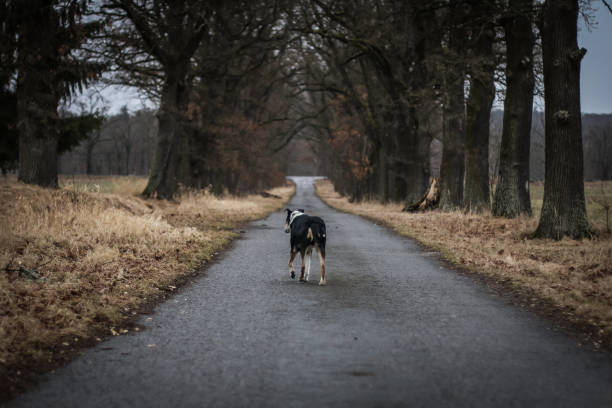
(307, 234)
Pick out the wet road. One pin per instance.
(392, 328)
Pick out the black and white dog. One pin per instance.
(307, 234)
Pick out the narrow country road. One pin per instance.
(393, 327)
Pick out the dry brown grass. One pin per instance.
(573, 278)
(99, 258)
(123, 185)
(598, 195)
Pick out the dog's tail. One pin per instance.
(319, 235)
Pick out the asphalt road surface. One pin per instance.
(393, 327)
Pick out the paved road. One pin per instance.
(392, 328)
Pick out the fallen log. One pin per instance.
(429, 201)
(265, 194)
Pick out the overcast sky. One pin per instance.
(595, 83)
(596, 71)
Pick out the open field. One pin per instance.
(570, 280)
(79, 262)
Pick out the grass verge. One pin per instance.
(78, 264)
(568, 280)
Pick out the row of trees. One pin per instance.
(371, 82)
(395, 75)
(215, 68)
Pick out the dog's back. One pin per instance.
(306, 231)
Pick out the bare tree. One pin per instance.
(563, 207)
(512, 192)
(170, 32)
(479, 103)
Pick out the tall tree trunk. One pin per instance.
(376, 131)
(563, 208)
(512, 191)
(166, 169)
(452, 167)
(424, 77)
(482, 92)
(380, 176)
(414, 169)
(409, 168)
(37, 99)
(37, 152)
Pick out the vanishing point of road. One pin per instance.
(393, 327)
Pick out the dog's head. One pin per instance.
(288, 219)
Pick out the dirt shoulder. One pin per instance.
(78, 266)
(569, 281)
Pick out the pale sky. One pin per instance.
(595, 81)
(596, 69)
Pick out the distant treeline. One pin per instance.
(125, 144)
(596, 139)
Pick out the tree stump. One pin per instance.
(429, 201)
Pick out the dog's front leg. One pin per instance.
(291, 257)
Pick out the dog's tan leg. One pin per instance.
(291, 271)
(322, 282)
(303, 266)
(308, 262)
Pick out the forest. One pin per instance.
(384, 95)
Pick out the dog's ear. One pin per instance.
(300, 210)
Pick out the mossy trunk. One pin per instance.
(563, 207)
(512, 191)
(480, 100)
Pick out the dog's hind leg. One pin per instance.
(303, 268)
(322, 282)
(308, 262)
(291, 271)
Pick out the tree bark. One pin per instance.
(512, 191)
(480, 100)
(37, 153)
(168, 161)
(380, 172)
(563, 207)
(452, 167)
(37, 98)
